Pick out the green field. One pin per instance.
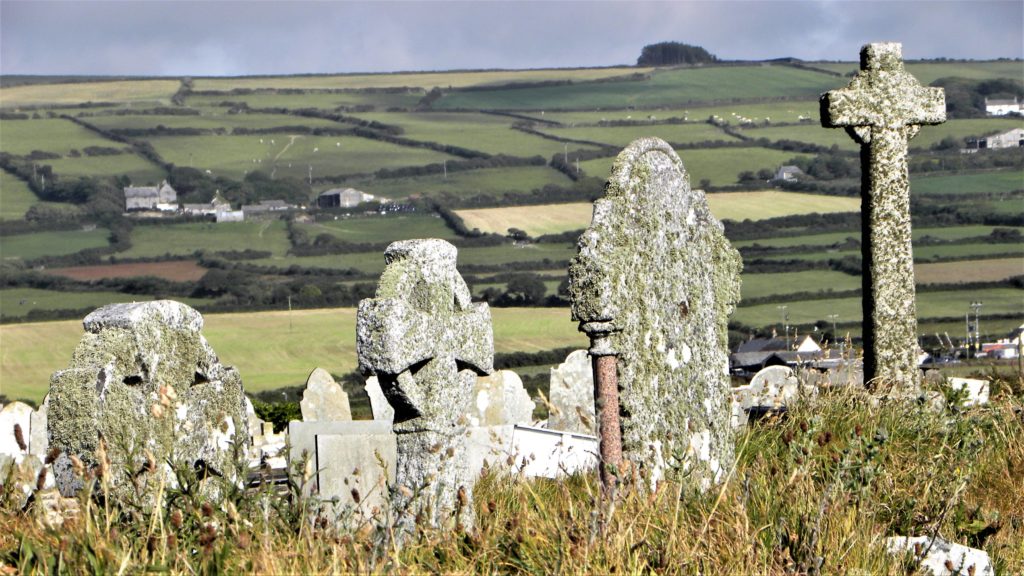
(946, 233)
(137, 169)
(772, 203)
(789, 111)
(378, 229)
(721, 166)
(289, 347)
(664, 88)
(49, 135)
(810, 133)
(491, 181)
(128, 91)
(621, 136)
(960, 129)
(59, 243)
(928, 72)
(235, 156)
(150, 241)
(18, 302)
(323, 100)
(208, 121)
(422, 80)
(484, 132)
(15, 197)
(997, 181)
(760, 285)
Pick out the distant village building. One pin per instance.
(266, 209)
(344, 198)
(1004, 348)
(758, 353)
(1009, 139)
(211, 208)
(1002, 107)
(162, 197)
(788, 174)
(230, 216)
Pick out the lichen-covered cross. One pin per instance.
(882, 108)
(426, 341)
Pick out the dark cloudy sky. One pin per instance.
(183, 37)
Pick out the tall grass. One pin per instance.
(815, 490)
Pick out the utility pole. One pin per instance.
(444, 163)
(565, 155)
(835, 335)
(976, 306)
(310, 174)
(785, 322)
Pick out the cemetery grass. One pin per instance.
(818, 490)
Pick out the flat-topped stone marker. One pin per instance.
(427, 342)
(572, 395)
(145, 384)
(883, 108)
(653, 284)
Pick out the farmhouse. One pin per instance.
(344, 198)
(1009, 139)
(788, 174)
(266, 208)
(211, 208)
(1002, 107)
(162, 197)
(758, 353)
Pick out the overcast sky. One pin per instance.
(185, 37)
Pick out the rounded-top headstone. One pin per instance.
(655, 272)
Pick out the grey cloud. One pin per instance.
(272, 37)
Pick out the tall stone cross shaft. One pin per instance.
(882, 109)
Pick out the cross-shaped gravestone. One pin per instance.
(426, 342)
(882, 108)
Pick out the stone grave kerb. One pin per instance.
(653, 284)
(882, 108)
(426, 342)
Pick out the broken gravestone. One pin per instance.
(15, 429)
(882, 109)
(773, 389)
(324, 399)
(572, 395)
(378, 403)
(500, 399)
(144, 388)
(653, 284)
(426, 342)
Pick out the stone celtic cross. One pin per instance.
(882, 108)
(426, 342)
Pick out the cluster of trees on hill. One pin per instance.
(965, 98)
(673, 53)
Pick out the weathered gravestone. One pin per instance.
(882, 108)
(653, 285)
(145, 387)
(572, 395)
(500, 399)
(426, 342)
(323, 398)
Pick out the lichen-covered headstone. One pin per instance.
(571, 394)
(654, 283)
(426, 342)
(145, 384)
(882, 109)
(15, 429)
(323, 398)
(499, 399)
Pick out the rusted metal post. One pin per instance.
(606, 401)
